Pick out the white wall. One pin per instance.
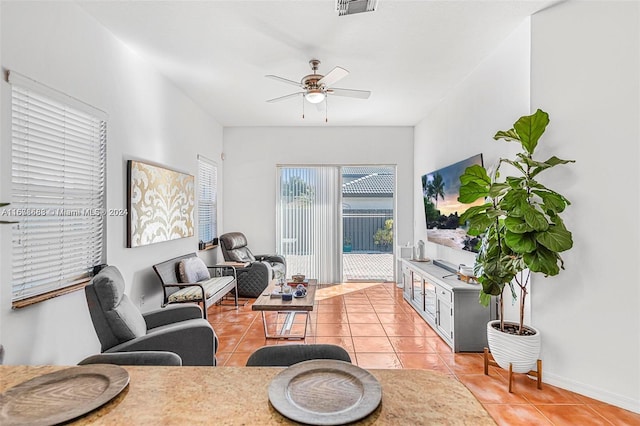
(149, 119)
(463, 124)
(586, 74)
(252, 153)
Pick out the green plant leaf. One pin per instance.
(534, 218)
(542, 260)
(530, 128)
(517, 225)
(520, 243)
(551, 162)
(513, 198)
(515, 164)
(515, 182)
(479, 224)
(554, 161)
(484, 299)
(471, 191)
(509, 135)
(474, 211)
(475, 173)
(556, 238)
(551, 201)
(496, 189)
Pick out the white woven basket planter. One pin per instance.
(520, 351)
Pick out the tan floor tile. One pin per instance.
(250, 345)
(332, 318)
(344, 342)
(378, 360)
(402, 329)
(490, 389)
(571, 415)
(367, 330)
(363, 308)
(411, 344)
(516, 415)
(423, 361)
(362, 318)
(333, 330)
(228, 344)
(394, 318)
(372, 344)
(617, 416)
(237, 359)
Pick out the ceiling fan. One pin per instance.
(316, 87)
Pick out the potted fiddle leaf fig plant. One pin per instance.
(521, 233)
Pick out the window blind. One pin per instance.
(308, 221)
(58, 190)
(207, 199)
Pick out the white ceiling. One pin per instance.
(408, 53)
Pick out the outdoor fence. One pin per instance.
(359, 227)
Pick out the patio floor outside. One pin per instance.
(356, 266)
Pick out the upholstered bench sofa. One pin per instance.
(186, 279)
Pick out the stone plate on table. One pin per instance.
(325, 392)
(62, 395)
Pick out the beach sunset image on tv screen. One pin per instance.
(442, 208)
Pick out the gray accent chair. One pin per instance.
(253, 279)
(287, 355)
(122, 328)
(135, 358)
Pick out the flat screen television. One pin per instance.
(442, 209)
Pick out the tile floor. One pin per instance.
(380, 330)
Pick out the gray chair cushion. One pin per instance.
(193, 270)
(124, 319)
(278, 270)
(286, 355)
(135, 358)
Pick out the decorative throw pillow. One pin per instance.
(192, 270)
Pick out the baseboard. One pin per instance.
(593, 392)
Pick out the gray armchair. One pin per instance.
(253, 279)
(122, 328)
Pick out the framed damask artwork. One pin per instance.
(161, 204)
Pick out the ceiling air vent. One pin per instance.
(349, 7)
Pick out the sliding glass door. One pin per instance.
(336, 223)
(308, 221)
(368, 223)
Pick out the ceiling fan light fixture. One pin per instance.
(315, 96)
(349, 7)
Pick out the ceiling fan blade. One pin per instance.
(284, 80)
(360, 94)
(334, 76)
(282, 98)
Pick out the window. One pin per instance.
(58, 191)
(207, 199)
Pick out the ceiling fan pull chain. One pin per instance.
(303, 106)
(326, 109)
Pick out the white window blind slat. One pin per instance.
(307, 211)
(58, 189)
(207, 199)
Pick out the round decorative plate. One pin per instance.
(62, 395)
(325, 392)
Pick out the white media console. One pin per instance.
(448, 305)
